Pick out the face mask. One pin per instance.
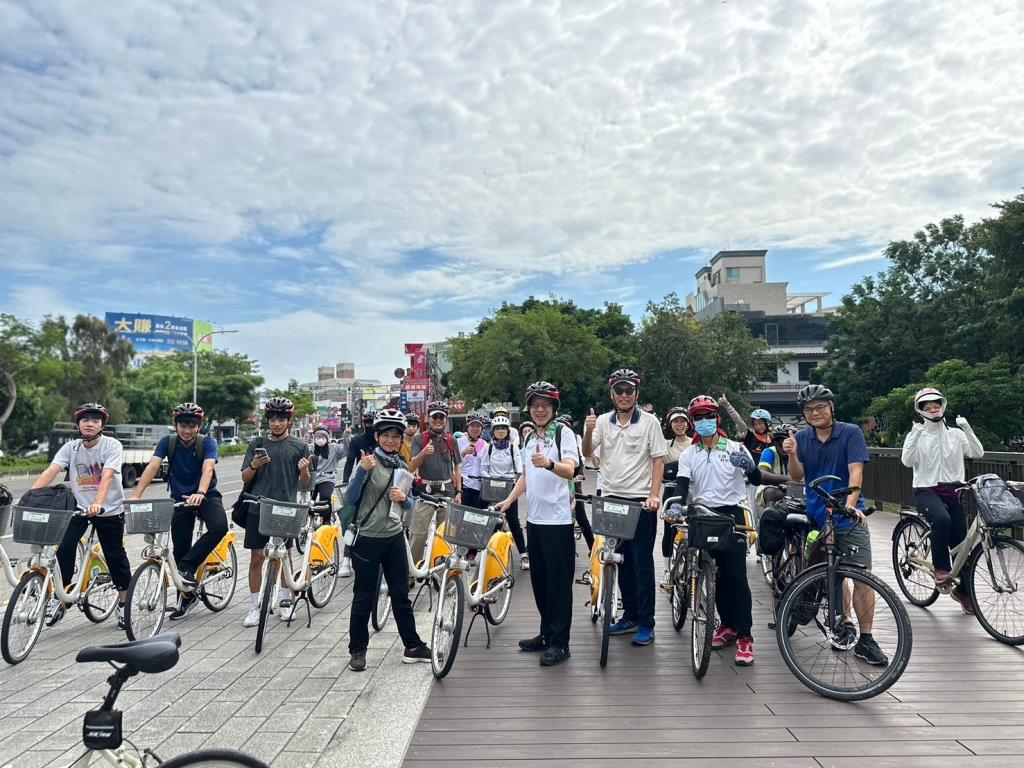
(320, 441)
(706, 427)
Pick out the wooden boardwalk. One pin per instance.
(960, 701)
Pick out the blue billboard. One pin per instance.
(151, 334)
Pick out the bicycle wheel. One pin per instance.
(702, 620)
(303, 537)
(827, 656)
(24, 617)
(101, 596)
(767, 564)
(786, 566)
(607, 608)
(214, 758)
(322, 589)
(447, 629)
(995, 588)
(912, 539)
(147, 598)
(382, 607)
(219, 580)
(496, 612)
(266, 603)
(680, 588)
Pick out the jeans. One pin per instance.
(187, 555)
(552, 568)
(949, 524)
(369, 555)
(732, 591)
(636, 574)
(110, 532)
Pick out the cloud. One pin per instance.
(849, 261)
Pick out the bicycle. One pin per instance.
(8, 564)
(313, 521)
(146, 601)
(102, 729)
(781, 567)
(93, 592)
(490, 594)
(315, 579)
(911, 559)
(814, 629)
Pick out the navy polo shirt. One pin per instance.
(844, 446)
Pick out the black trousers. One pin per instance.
(636, 575)
(368, 557)
(732, 591)
(515, 527)
(553, 565)
(948, 520)
(582, 520)
(190, 556)
(110, 532)
(322, 492)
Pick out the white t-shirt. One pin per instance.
(498, 462)
(627, 451)
(714, 481)
(547, 495)
(86, 467)
(470, 466)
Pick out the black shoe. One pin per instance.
(534, 644)
(552, 657)
(868, 650)
(187, 603)
(413, 655)
(188, 579)
(358, 661)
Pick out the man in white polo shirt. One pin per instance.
(632, 462)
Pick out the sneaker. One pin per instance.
(55, 611)
(623, 627)
(943, 579)
(358, 661)
(252, 618)
(644, 636)
(744, 651)
(524, 563)
(414, 655)
(867, 649)
(966, 604)
(120, 616)
(534, 644)
(552, 657)
(723, 637)
(188, 579)
(666, 580)
(287, 612)
(345, 571)
(185, 604)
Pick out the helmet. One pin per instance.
(702, 404)
(566, 419)
(676, 412)
(526, 425)
(543, 389)
(437, 406)
(475, 418)
(367, 417)
(279, 406)
(760, 413)
(930, 395)
(92, 409)
(6, 497)
(813, 392)
(781, 432)
(189, 411)
(412, 419)
(501, 409)
(500, 421)
(389, 418)
(624, 376)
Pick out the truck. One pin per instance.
(137, 442)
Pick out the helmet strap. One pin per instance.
(89, 442)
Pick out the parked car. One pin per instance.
(35, 448)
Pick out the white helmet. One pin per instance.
(930, 395)
(387, 419)
(500, 421)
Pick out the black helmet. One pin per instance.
(412, 419)
(187, 411)
(675, 412)
(6, 497)
(813, 392)
(781, 432)
(624, 376)
(92, 409)
(543, 389)
(437, 406)
(279, 406)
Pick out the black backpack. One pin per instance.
(51, 497)
(771, 529)
(200, 448)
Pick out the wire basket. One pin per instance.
(615, 518)
(152, 516)
(43, 527)
(281, 518)
(495, 489)
(5, 519)
(469, 527)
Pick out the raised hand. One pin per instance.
(591, 421)
(368, 461)
(538, 458)
(789, 444)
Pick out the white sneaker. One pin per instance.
(252, 618)
(345, 571)
(666, 579)
(524, 563)
(287, 612)
(54, 611)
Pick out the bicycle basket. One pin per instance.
(495, 489)
(44, 527)
(715, 534)
(281, 518)
(469, 527)
(152, 516)
(615, 518)
(997, 505)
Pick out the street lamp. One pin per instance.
(195, 360)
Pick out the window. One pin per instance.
(771, 333)
(732, 273)
(804, 370)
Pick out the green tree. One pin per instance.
(30, 365)
(1003, 299)
(97, 357)
(302, 400)
(227, 385)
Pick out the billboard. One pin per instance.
(418, 358)
(160, 334)
(201, 332)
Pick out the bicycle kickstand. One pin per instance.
(487, 628)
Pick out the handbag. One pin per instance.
(240, 509)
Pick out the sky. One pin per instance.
(334, 179)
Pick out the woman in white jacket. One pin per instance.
(936, 454)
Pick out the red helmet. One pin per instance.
(92, 409)
(702, 404)
(543, 389)
(187, 411)
(624, 376)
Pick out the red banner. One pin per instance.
(418, 359)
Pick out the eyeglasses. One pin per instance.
(624, 390)
(816, 410)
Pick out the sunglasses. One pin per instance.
(705, 418)
(624, 390)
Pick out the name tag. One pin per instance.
(712, 539)
(282, 511)
(142, 507)
(35, 517)
(616, 509)
(475, 518)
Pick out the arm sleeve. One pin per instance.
(350, 459)
(162, 445)
(597, 436)
(909, 456)
(356, 486)
(973, 448)
(682, 488)
(741, 425)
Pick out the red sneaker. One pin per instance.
(744, 652)
(723, 637)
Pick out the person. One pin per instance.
(549, 470)
(412, 428)
(772, 464)
(380, 542)
(679, 439)
(716, 470)
(274, 467)
(503, 459)
(757, 436)
(360, 444)
(93, 463)
(525, 428)
(830, 447)
(513, 433)
(471, 446)
(632, 463)
(438, 463)
(579, 506)
(326, 458)
(190, 479)
(936, 453)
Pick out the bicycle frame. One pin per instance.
(457, 566)
(277, 550)
(8, 568)
(159, 549)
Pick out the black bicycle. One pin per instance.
(829, 609)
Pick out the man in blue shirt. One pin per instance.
(194, 482)
(830, 447)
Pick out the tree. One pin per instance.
(97, 358)
(303, 401)
(30, 365)
(1003, 238)
(227, 385)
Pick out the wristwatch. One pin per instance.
(551, 465)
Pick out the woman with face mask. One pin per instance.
(326, 457)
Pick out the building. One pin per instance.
(341, 397)
(793, 324)
(428, 363)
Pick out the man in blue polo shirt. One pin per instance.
(830, 447)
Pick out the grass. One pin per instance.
(15, 466)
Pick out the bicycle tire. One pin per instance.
(266, 602)
(908, 532)
(767, 566)
(304, 533)
(151, 606)
(321, 601)
(218, 605)
(382, 605)
(453, 592)
(680, 596)
(981, 612)
(702, 622)
(496, 612)
(814, 581)
(607, 608)
(91, 606)
(30, 586)
(214, 758)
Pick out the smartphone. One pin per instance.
(261, 452)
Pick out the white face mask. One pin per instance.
(320, 440)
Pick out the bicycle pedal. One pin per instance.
(101, 578)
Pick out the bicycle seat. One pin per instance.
(155, 654)
(797, 520)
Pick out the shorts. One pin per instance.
(253, 538)
(860, 537)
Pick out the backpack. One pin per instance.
(771, 529)
(200, 448)
(51, 497)
(512, 454)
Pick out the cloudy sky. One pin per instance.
(334, 179)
